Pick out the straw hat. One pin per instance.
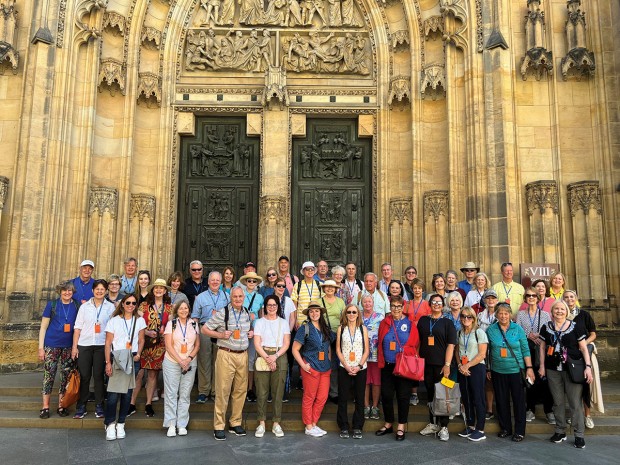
(330, 282)
(314, 305)
(470, 266)
(159, 282)
(250, 275)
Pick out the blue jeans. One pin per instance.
(110, 407)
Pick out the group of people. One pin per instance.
(243, 337)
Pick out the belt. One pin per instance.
(226, 349)
(274, 349)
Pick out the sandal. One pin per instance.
(400, 435)
(44, 413)
(63, 412)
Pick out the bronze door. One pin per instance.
(218, 201)
(331, 198)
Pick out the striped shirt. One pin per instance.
(303, 294)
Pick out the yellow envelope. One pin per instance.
(447, 382)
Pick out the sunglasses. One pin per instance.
(351, 312)
(468, 270)
(467, 317)
(309, 269)
(438, 275)
(134, 303)
(529, 296)
(411, 272)
(396, 306)
(280, 285)
(436, 302)
(196, 270)
(506, 264)
(251, 280)
(271, 275)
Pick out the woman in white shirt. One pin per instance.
(272, 337)
(88, 346)
(179, 367)
(125, 331)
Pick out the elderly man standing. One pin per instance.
(284, 272)
(206, 305)
(84, 282)
(508, 291)
(322, 270)
(381, 303)
(129, 278)
(386, 272)
(305, 291)
(232, 328)
(195, 284)
(469, 269)
(249, 267)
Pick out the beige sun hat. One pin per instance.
(470, 266)
(314, 305)
(330, 282)
(251, 275)
(159, 282)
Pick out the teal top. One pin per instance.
(518, 342)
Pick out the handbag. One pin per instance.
(260, 364)
(576, 370)
(522, 372)
(72, 393)
(447, 401)
(408, 365)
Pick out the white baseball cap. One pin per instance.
(307, 265)
(87, 263)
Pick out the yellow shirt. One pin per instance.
(512, 292)
(307, 293)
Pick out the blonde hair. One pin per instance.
(344, 321)
(470, 311)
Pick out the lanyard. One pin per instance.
(507, 291)
(129, 285)
(532, 320)
(353, 337)
(541, 307)
(65, 310)
(197, 289)
(100, 307)
(466, 340)
(318, 332)
(127, 329)
(558, 334)
(479, 296)
(351, 288)
(183, 331)
(237, 318)
(173, 297)
(310, 290)
(213, 301)
(432, 325)
(160, 316)
(415, 310)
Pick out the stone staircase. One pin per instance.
(20, 401)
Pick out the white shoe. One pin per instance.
(110, 432)
(443, 434)
(322, 432)
(589, 422)
(120, 431)
(172, 431)
(529, 416)
(312, 432)
(277, 430)
(260, 431)
(431, 428)
(182, 431)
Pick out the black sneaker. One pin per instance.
(238, 430)
(580, 443)
(251, 396)
(357, 434)
(269, 399)
(344, 434)
(285, 397)
(219, 435)
(558, 438)
(148, 410)
(132, 410)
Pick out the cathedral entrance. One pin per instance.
(331, 194)
(218, 201)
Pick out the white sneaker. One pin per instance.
(277, 430)
(529, 416)
(321, 432)
(182, 431)
(312, 432)
(589, 422)
(120, 431)
(110, 432)
(260, 431)
(443, 434)
(172, 431)
(431, 428)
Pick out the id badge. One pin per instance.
(351, 356)
(431, 340)
(507, 301)
(236, 334)
(392, 345)
(97, 328)
(550, 350)
(321, 356)
(128, 345)
(503, 352)
(183, 348)
(67, 327)
(464, 360)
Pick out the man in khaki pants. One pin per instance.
(231, 366)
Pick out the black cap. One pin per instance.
(250, 264)
(284, 257)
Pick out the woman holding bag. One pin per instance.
(397, 333)
(352, 350)
(272, 336)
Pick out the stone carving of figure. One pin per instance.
(264, 51)
(312, 7)
(251, 11)
(236, 167)
(348, 13)
(293, 14)
(316, 161)
(212, 8)
(334, 13)
(245, 160)
(357, 163)
(276, 13)
(194, 151)
(227, 12)
(306, 167)
(298, 53)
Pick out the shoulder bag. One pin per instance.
(408, 365)
(261, 364)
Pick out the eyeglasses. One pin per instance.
(469, 270)
(272, 305)
(529, 296)
(467, 317)
(271, 275)
(114, 283)
(309, 269)
(351, 312)
(133, 302)
(436, 302)
(411, 272)
(196, 270)
(396, 306)
(280, 285)
(251, 280)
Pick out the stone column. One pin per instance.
(4, 193)
(273, 226)
(401, 223)
(542, 205)
(584, 198)
(101, 237)
(436, 243)
(142, 229)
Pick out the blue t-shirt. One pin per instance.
(311, 347)
(455, 321)
(55, 336)
(403, 328)
(206, 304)
(83, 290)
(253, 302)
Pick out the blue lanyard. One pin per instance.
(173, 298)
(432, 325)
(213, 301)
(558, 334)
(466, 340)
(100, 307)
(351, 288)
(183, 331)
(532, 320)
(352, 338)
(541, 307)
(507, 292)
(318, 332)
(84, 285)
(197, 289)
(129, 285)
(310, 290)
(65, 310)
(237, 318)
(127, 329)
(415, 311)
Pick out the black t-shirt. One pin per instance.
(443, 333)
(568, 340)
(585, 322)
(192, 289)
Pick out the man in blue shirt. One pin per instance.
(207, 303)
(83, 282)
(195, 284)
(469, 269)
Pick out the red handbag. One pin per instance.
(408, 365)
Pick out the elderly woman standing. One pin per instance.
(124, 333)
(509, 353)
(372, 321)
(542, 295)
(557, 283)
(474, 297)
(182, 341)
(564, 339)
(55, 340)
(338, 274)
(455, 303)
(114, 286)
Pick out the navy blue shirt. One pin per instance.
(83, 290)
(311, 347)
(403, 327)
(55, 336)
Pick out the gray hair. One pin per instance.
(370, 273)
(454, 295)
(195, 262)
(214, 272)
(130, 259)
(484, 275)
(65, 286)
(453, 273)
(338, 269)
(114, 277)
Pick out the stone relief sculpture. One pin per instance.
(537, 58)
(250, 12)
(579, 61)
(222, 155)
(331, 157)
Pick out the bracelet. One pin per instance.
(588, 366)
(107, 363)
(190, 357)
(529, 368)
(446, 364)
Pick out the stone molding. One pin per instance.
(537, 58)
(400, 88)
(112, 71)
(275, 86)
(142, 206)
(150, 34)
(454, 12)
(579, 61)
(272, 208)
(433, 81)
(149, 86)
(436, 204)
(103, 199)
(4, 190)
(541, 195)
(433, 25)
(114, 20)
(401, 210)
(584, 195)
(8, 35)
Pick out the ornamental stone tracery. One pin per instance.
(103, 199)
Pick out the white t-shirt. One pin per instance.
(268, 331)
(87, 318)
(289, 307)
(122, 329)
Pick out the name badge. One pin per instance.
(351, 356)
(236, 334)
(550, 350)
(431, 340)
(464, 360)
(321, 356)
(67, 328)
(183, 348)
(503, 352)
(507, 301)
(97, 328)
(392, 345)
(128, 345)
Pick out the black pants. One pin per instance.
(345, 382)
(91, 362)
(473, 395)
(509, 387)
(432, 375)
(539, 393)
(391, 384)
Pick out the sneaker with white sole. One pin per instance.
(589, 422)
(413, 400)
(477, 435)
(182, 431)
(466, 432)
(429, 429)
(260, 431)
(120, 431)
(110, 432)
(366, 413)
(529, 416)
(322, 432)
(313, 432)
(374, 413)
(551, 418)
(443, 434)
(277, 431)
(172, 431)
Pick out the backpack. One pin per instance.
(447, 401)
(226, 315)
(55, 302)
(174, 325)
(360, 294)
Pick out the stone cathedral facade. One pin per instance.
(425, 132)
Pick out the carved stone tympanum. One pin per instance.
(584, 195)
(142, 206)
(401, 210)
(103, 199)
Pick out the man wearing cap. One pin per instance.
(284, 272)
(84, 282)
(253, 301)
(469, 269)
(231, 366)
(509, 291)
(381, 302)
(195, 284)
(206, 305)
(305, 291)
(129, 278)
(249, 266)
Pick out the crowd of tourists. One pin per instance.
(510, 348)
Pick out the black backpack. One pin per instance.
(55, 302)
(226, 315)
